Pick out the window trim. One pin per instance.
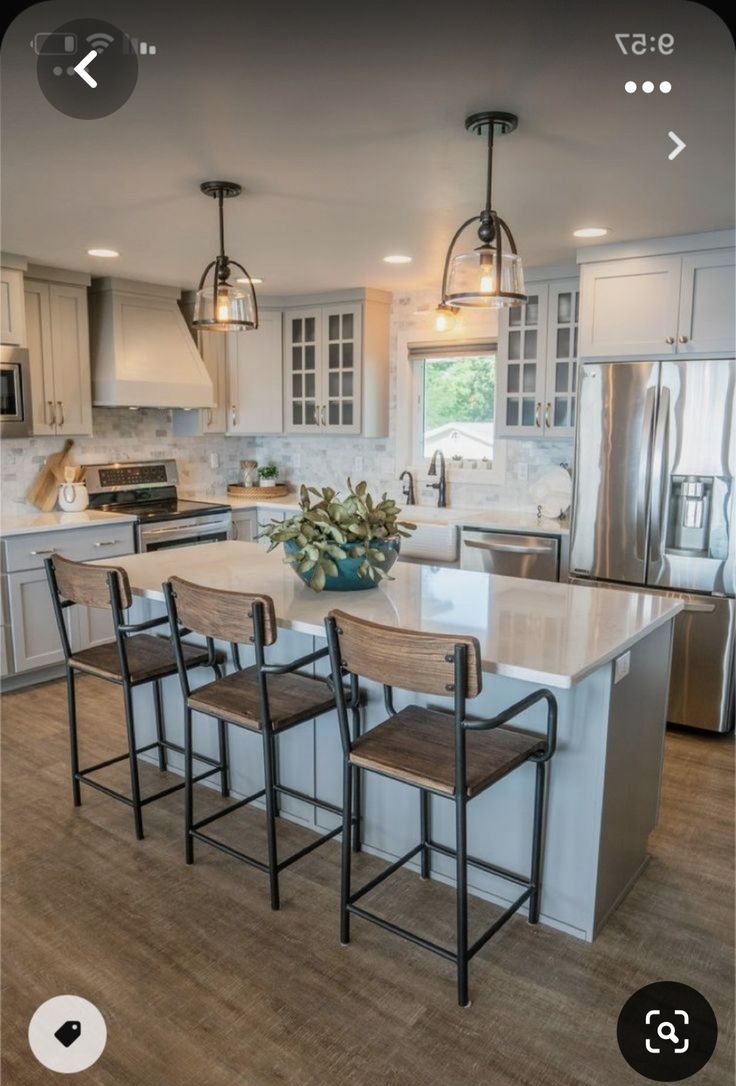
(493, 475)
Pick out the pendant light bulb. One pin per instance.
(444, 318)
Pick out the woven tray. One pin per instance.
(260, 493)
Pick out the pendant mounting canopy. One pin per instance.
(481, 123)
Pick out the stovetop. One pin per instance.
(167, 509)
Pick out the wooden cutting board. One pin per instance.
(44, 489)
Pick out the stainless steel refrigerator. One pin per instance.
(654, 503)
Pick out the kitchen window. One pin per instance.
(455, 401)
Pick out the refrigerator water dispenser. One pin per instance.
(688, 529)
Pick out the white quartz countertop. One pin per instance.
(29, 523)
(538, 631)
(509, 520)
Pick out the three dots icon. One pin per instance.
(647, 86)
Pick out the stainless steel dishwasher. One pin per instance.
(511, 554)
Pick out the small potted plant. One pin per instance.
(268, 475)
(341, 544)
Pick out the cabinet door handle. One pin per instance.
(235, 414)
(547, 413)
(669, 339)
(683, 339)
(107, 542)
(209, 416)
(537, 414)
(51, 418)
(60, 405)
(39, 553)
(323, 412)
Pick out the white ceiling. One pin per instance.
(344, 123)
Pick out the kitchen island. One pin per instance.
(605, 655)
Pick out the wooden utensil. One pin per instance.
(44, 489)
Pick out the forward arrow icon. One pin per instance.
(680, 145)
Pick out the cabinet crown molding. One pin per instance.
(679, 243)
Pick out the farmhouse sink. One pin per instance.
(435, 540)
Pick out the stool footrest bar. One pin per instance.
(227, 810)
(499, 923)
(492, 869)
(295, 794)
(105, 790)
(426, 944)
(309, 848)
(251, 860)
(384, 874)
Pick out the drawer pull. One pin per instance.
(39, 553)
(107, 542)
(509, 548)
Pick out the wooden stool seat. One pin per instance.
(418, 746)
(149, 658)
(292, 698)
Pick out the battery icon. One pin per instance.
(54, 44)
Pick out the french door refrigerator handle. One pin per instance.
(644, 463)
(659, 488)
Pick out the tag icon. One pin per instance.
(68, 1033)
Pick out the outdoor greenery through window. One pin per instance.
(458, 397)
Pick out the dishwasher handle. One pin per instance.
(509, 548)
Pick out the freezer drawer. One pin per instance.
(511, 555)
(702, 683)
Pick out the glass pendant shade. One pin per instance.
(472, 279)
(231, 307)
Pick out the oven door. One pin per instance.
(188, 533)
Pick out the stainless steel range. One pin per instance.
(147, 490)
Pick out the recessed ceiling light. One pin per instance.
(397, 258)
(103, 252)
(253, 279)
(591, 232)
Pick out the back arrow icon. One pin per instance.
(680, 145)
(81, 70)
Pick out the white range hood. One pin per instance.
(143, 354)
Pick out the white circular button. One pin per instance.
(67, 1034)
(630, 87)
(647, 86)
(665, 86)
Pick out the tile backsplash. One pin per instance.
(145, 434)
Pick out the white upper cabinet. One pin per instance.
(335, 366)
(197, 422)
(537, 362)
(12, 310)
(57, 336)
(707, 293)
(675, 304)
(255, 381)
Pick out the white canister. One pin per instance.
(73, 497)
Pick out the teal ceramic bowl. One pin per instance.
(347, 579)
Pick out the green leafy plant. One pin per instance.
(270, 471)
(332, 528)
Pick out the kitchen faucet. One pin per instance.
(441, 483)
(408, 490)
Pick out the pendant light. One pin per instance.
(444, 317)
(489, 276)
(222, 305)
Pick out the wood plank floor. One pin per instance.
(201, 984)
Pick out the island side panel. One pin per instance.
(634, 756)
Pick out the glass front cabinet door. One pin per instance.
(537, 354)
(322, 369)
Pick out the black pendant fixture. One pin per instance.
(222, 305)
(489, 276)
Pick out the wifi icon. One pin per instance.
(100, 41)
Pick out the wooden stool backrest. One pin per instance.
(409, 659)
(88, 585)
(223, 615)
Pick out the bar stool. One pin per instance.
(133, 659)
(265, 698)
(438, 753)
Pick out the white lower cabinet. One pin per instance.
(31, 628)
(245, 525)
